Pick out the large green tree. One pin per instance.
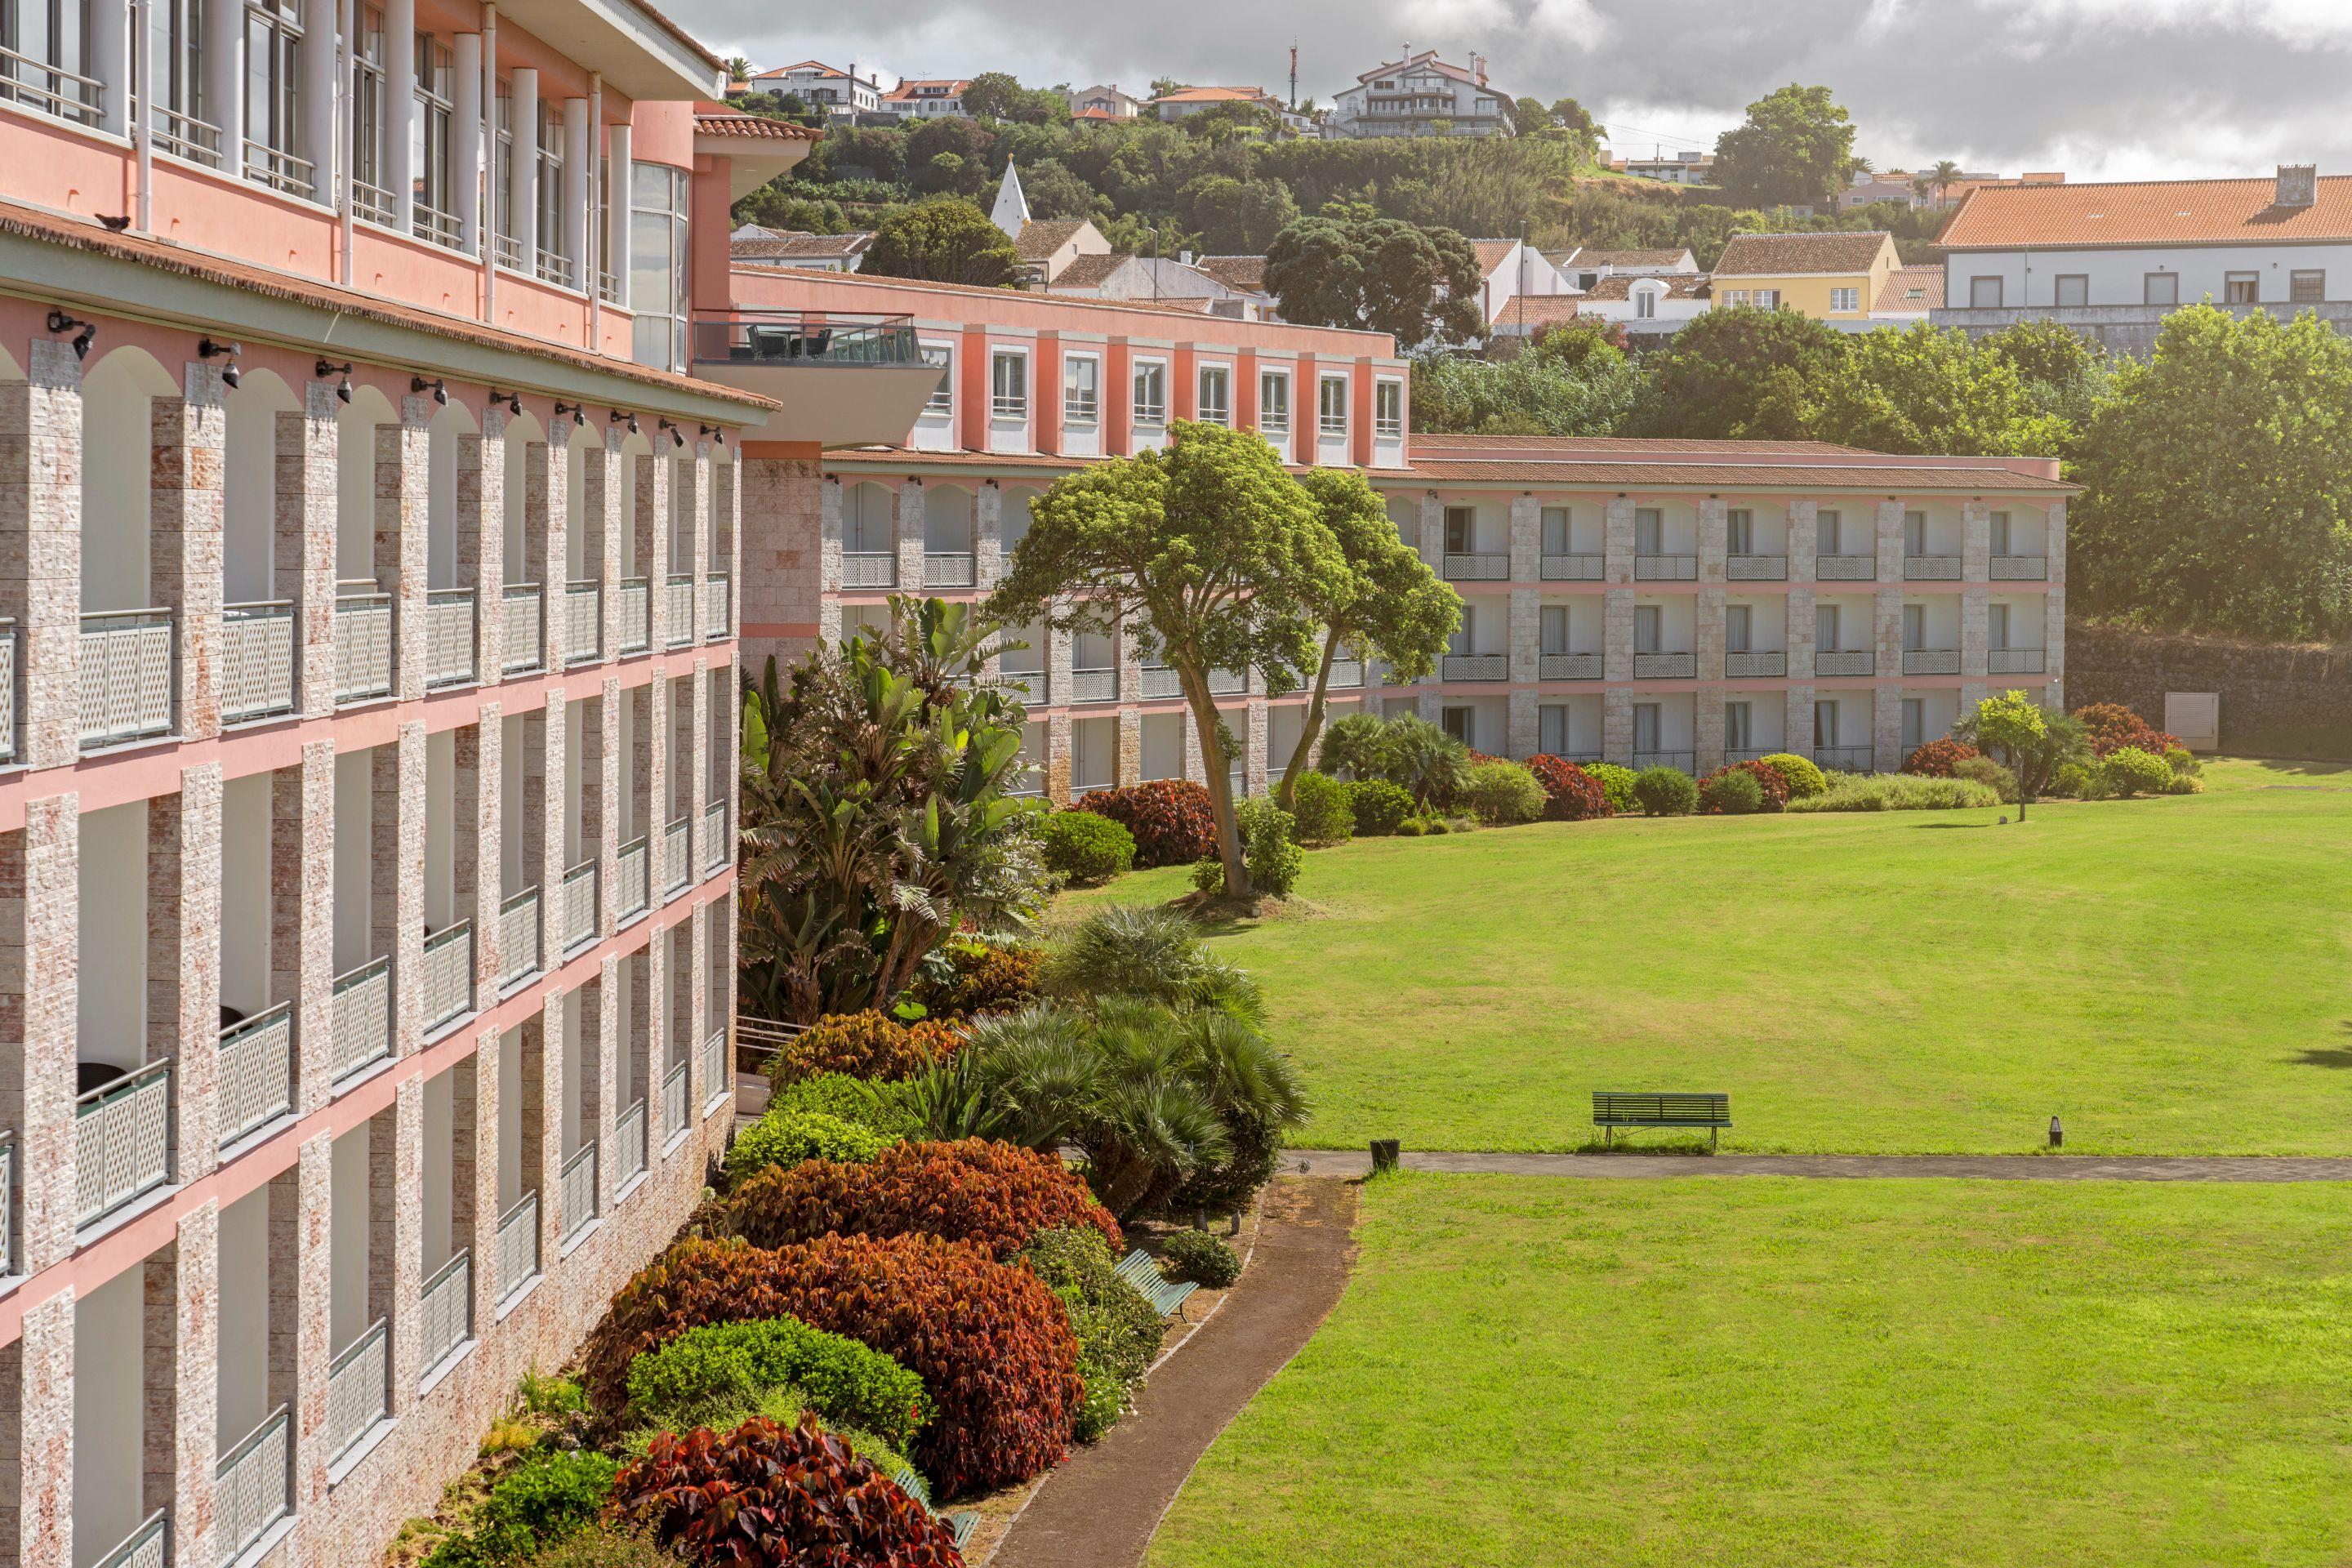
(1794, 149)
(1416, 284)
(1731, 373)
(2218, 481)
(943, 242)
(1574, 380)
(1926, 389)
(1210, 551)
(998, 95)
(1235, 217)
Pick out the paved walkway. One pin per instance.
(1349, 1163)
(1100, 1508)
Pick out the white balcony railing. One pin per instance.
(358, 1386)
(678, 855)
(122, 1140)
(714, 1066)
(577, 1186)
(1476, 667)
(279, 169)
(1931, 568)
(8, 691)
(186, 136)
(1568, 666)
(1094, 686)
(1665, 666)
(583, 614)
(716, 851)
(444, 1312)
(717, 601)
(449, 636)
(1682, 760)
(362, 1016)
(1931, 661)
(1161, 681)
(1227, 683)
(2014, 660)
(1475, 568)
(37, 84)
(435, 226)
(519, 937)
(149, 1546)
(628, 1145)
(869, 569)
(553, 267)
(253, 1486)
(674, 1100)
(634, 612)
(1845, 661)
(257, 668)
(950, 570)
(517, 1246)
(2018, 568)
(363, 633)
(448, 989)
(1664, 568)
(126, 676)
(575, 902)
(1571, 568)
(1756, 568)
(635, 891)
(1747, 665)
(1845, 568)
(520, 641)
(677, 610)
(1346, 674)
(371, 204)
(257, 1072)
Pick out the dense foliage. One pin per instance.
(868, 1044)
(1407, 751)
(1937, 758)
(1895, 792)
(1384, 275)
(1378, 805)
(1170, 820)
(1203, 1258)
(1794, 149)
(1117, 1330)
(545, 1498)
(1665, 792)
(1571, 793)
(871, 1105)
(1616, 783)
(945, 241)
(1500, 794)
(787, 1136)
(1085, 848)
(1324, 807)
(707, 1369)
(964, 979)
(1801, 776)
(2110, 726)
(1730, 794)
(1772, 788)
(994, 1195)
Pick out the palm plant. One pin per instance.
(1426, 760)
(1154, 953)
(1356, 747)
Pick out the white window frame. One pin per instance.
(2253, 283)
(1153, 373)
(1768, 299)
(943, 397)
(1002, 404)
(1081, 406)
(1645, 302)
(1388, 408)
(1328, 423)
(1845, 299)
(1221, 412)
(1274, 413)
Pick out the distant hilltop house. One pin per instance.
(1105, 103)
(2112, 260)
(1420, 95)
(1181, 102)
(1645, 305)
(843, 94)
(1678, 168)
(753, 245)
(926, 98)
(1904, 185)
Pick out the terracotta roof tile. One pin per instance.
(1040, 238)
(1246, 273)
(2149, 212)
(786, 245)
(1629, 257)
(1913, 288)
(1538, 311)
(1087, 271)
(1619, 286)
(1448, 446)
(759, 126)
(1492, 253)
(1782, 255)
(1600, 474)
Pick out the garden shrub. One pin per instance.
(1502, 794)
(1730, 792)
(2182, 761)
(1270, 848)
(2112, 727)
(1170, 820)
(1209, 876)
(1203, 1258)
(1378, 805)
(2184, 783)
(707, 1369)
(1085, 847)
(1938, 758)
(1772, 789)
(1412, 828)
(2071, 782)
(877, 1106)
(2129, 771)
(1436, 827)
(769, 1495)
(1616, 785)
(1990, 773)
(995, 1195)
(990, 1341)
(783, 1137)
(1665, 792)
(868, 1044)
(544, 1499)
(1801, 775)
(1324, 809)
(1571, 793)
(1897, 791)
(979, 979)
(604, 1544)
(1117, 1328)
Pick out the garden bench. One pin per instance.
(1612, 1110)
(1139, 1269)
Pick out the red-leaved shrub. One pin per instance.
(983, 980)
(2112, 727)
(1937, 758)
(1171, 820)
(994, 1195)
(991, 1343)
(1771, 785)
(868, 1044)
(1571, 795)
(768, 1496)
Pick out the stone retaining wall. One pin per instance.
(2264, 685)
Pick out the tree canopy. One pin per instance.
(943, 242)
(1416, 284)
(1730, 372)
(1794, 149)
(1924, 389)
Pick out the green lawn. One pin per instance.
(2168, 975)
(1770, 1372)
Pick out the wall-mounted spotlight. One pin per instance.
(579, 414)
(618, 417)
(712, 433)
(513, 400)
(438, 387)
(342, 387)
(88, 334)
(230, 374)
(677, 436)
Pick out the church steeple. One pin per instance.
(1012, 210)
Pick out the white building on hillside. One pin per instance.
(1422, 94)
(843, 94)
(926, 98)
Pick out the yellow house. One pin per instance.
(1833, 276)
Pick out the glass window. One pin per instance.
(1551, 723)
(1739, 531)
(1999, 532)
(1737, 733)
(176, 49)
(1995, 626)
(1273, 401)
(555, 245)
(1768, 299)
(54, 34)
(1461, 529)
(1332, 405)
(1008, 385)
(1915, 627)
(1845, 299)
(1645, 629)
(1645, 303)
(2074, 289)
(942, 398)
(1737, 619)
(1554, 627)
(1984, 293)
(1825, 533)
(367, 119)
(1554, 531)
(1645, 729)
(658, 264)
(1460, 723)
(1080, 399)
(2240, 288)
(2160, 289)
(1825, 628)
(1915, 533)
(1649, 531)
(1150, 393)
(1217, 395)
(1388, 408)
(2307, 288)
(1825, 724)
(1915, 724)
(1735, 298)
(273, 114)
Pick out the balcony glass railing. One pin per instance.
(122, 1140)
(2014, 660)
(359, 1389)
(1744, 664)
(449, 636)
(950, 570)
(1572, 568)
(868, 568)
(1476, 667)
(1664, 568)
(576, 905)
(448, 989)
(149, 1546)
(1845, 568)
(678, 609)
(257, 1072)
(629, 1145)
(583, 614)
(253, 1486)
(1568, 666)
(444, 1312)
(519, 933)
(635, 891)
(797, 338)
(634, 613)
(256, 670)
(577, 1186)
(678, 855)
(1475, 567)
(1665, 666)
(517, 1246)
(519, 638)
(362, 1016)
(1845, 661)
(364, 634)
(716, 849)
(717, 607)
(127, 679)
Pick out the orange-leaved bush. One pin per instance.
(2112, 727)
(1571, 795)
(866, 1045)
(1170, 819)
(994, 1195)
(1938, 758)
(981, 980)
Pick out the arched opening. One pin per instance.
(130, 644)
(259, 591)
(868, 535)
(522, 623)
(1013, 523)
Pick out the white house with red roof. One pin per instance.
(926, 98)
(843, 94)
(1422, 94)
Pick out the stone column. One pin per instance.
(1886, 727)
(1129, 765)
(302, 1214)
(40, 965)
(181, 1374)
(1707, 730)
(1976, 540)
(1889, 540)
(1800, 627)
(656, 1043)
(2053, 608)
(542, 1119)
(303, 540)
(543, 777)
(1253, 743)
(1061, 666)
(1523, 722)
(37, 1411)
(988, 537)
(1617, 725)
(482, 538)
(1431, 542)
(40, 547)
(184, 944)
(693, 477)
(301, 913)
(1804, 520)
(546, 543)
(603, 517)
(1713, 537)
(698, 1090)
(1526, 641)
(697, 776)
(1797, 721)
(1975, 635)
(1617, 540)
(653, 768)
(1057, 758)
(185, 506)
(1886, 622)
(1196, 766)
(1707, 612)
(911, 530)
(396, 875)
(1617, 634)
(1527, 540)
(403, 456)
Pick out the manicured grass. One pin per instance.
(2169, 976)
(1767, 1372)
(2301, 741)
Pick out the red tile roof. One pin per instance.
(1785, 254)
(1619, 285)
(1804, 477)
(1492, 253)
(759, 126)
(1087, 272)
(2148, 211)
(1537, 310)
(1214, 94)
(1451, 447)
(1245, 273)
(1913, 288)
(1040, 238)
(1583, 257)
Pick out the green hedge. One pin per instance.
(719, 1366)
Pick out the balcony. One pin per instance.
(1568, 666)
(584, 621)
(1475, 568)
(575, 904)
(1227, 683)
(52, 89)
(2015, 660)
(553, 267)
(1931, 568)
(444, 1312)
(519, 932)
(122, 1136)
(1572, 568)
(257, 668)
(363, 633)
(674, 1101)
(629, 1145)
(2018, 568)
(634, 612)
(8, 691)
(1665, 568)
(1744, 665)
(1476, 667)
(1094, 686)
(678, 855)
(949, 570)
(1845, 568)
(1844, 759)
(1845, 661)
(1756, 568)
(1682, 760)
(518, 1246)
(1345, 674)
(449, 636)
(359, 1389)
(253, 1486)
(635, 891)
(577, 1188)
(519, 638)
(1159, 681)
(448, 989)
(1665, 665)
(715, 850)
(718, 597)
(678, 609)
(149, 1546)
(847, 380)
(361, 1018)
(1931, 661)
(435, 226)
(257, 1072)
(126, 677)
(1027, 686)
(714, 1066)
(373, 203)
(868, 568)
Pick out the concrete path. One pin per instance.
(1100, 1509)
(1351, 1163)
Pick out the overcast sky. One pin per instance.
(2100, 89)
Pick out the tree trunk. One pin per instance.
(1308, 731)
(1221, 785)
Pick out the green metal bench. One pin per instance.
(1611, 1110)
(1168, 1296)
(959, 1525)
